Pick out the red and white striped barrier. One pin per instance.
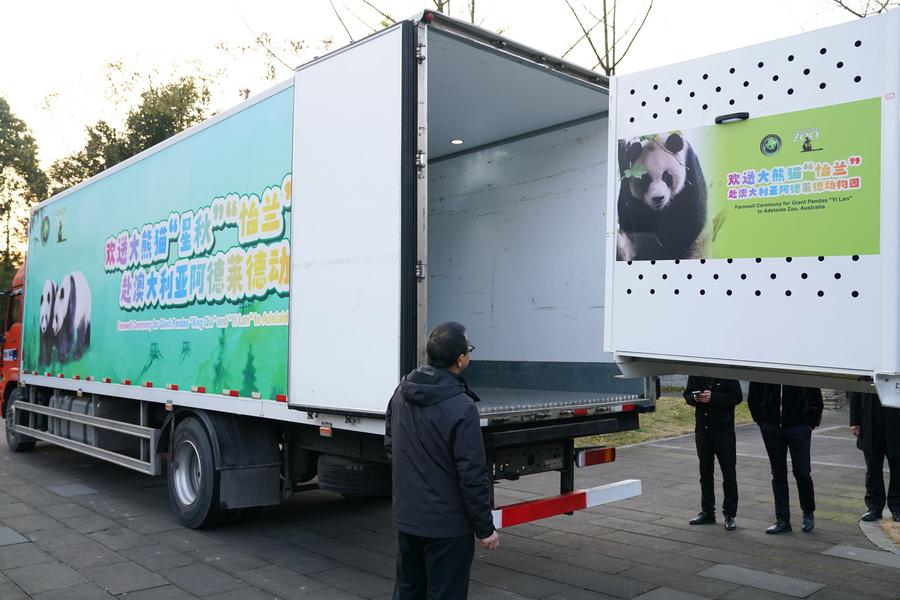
(534, 510)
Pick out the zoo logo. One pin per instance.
(45, 230)
(770, 144)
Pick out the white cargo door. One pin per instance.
(796, 265)
(352, 167)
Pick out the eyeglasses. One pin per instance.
(471, 349)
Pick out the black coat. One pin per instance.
(718, 413)
(441, 486)
(875, 420)
(802, 405)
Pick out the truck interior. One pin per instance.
(516, 225)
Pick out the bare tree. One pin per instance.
(615, 43)
(866, 8)
(441, 6)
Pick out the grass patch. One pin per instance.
(673, 417)
(892, 529)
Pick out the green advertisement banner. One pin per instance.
(805, 183)
(174, 270)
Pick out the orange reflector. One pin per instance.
(627, 407)
(325, 430)
(61, 375)
(232, 393)
(77, 377)
(595, 456)
(126, 382)
(280, 398)
(107, 380)
(173, 387)
(532, 510)
(198, 389)
(148, 384)
(580, 412)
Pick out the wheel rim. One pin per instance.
(188, 473)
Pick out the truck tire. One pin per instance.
(354, 479)
(16, 441)
(193, 479)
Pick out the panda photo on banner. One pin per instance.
(662, 205)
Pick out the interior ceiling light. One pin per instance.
(456, 141)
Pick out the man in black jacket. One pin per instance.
(714, 401)
(786, 416)
(877, 431)
(441, 485)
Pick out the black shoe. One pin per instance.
(897, 517)
(730, 525)
(703, 518)
(809, 521)
(779, 527)
(871, 515)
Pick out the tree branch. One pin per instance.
(586, 34)
(341, 20)
(578, 41)
(634, 37)
(358, 18)
(261, 42)
(379, 11)
(848, 9)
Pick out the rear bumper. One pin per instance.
(534, 510)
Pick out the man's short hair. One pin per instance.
(445, 344)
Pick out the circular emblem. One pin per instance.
(45, 230)
(770, 144)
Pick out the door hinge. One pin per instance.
(421, 270)
(420, 164)
(420, 53)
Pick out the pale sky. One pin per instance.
(54, 55)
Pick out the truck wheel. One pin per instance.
(192, 475)
(354, 479)
(16, 441)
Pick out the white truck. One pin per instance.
(243, 298)
(754, 211)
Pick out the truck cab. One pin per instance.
(11, 338)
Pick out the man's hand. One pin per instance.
(703, 397)
(491, 542)
(854, 429)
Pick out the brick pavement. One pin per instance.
(79, 529)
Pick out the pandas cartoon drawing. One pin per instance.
(662, 205)
(71, 320)
(47, 340)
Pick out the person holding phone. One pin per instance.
(714, 401)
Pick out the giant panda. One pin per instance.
(72, 317)
(46, 345)
(662, 207)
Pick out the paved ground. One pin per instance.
(77, 529)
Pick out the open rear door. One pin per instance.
(353, 276)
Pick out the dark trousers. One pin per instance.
(721, 445)
(778, 441)
(875, 498)
(433, 568)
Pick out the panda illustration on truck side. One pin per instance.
(72, 317)
(47, 341)
(662, 205)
